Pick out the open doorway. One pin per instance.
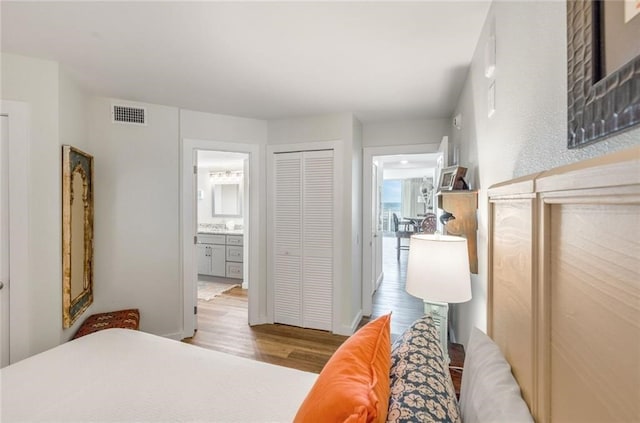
(220, 218)
(398, 186)
(231, 194)
(407, 197)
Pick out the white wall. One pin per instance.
(47, 90)
(223, 128)
(136, 244)
(73, 104)
(405, 132)
(527, 133)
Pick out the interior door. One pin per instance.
(4, 241)
(317, 239)
(379, 229)
(287, 241)
(376, 229)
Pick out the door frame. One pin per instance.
(252, 233)
(368, 153)
(18, 151)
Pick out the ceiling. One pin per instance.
(408, 161)
(402, 166)
(266, 60)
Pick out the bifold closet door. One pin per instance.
(317, 239)
(303, 241)
(287, 240)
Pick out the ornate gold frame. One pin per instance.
(77, 226)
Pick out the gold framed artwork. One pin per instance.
(77, 233)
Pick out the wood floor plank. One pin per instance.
(223, 326)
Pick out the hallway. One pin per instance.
(391, 295)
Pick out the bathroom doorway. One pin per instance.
(222, 228)
(220, 218)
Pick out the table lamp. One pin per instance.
(438, 272)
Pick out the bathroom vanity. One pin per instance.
(220, 254)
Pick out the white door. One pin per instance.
(4, 241)
(303, 238)
(287, 242)
(376, 228)
(317, 237)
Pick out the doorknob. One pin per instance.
(1, 285)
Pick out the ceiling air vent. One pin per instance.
(128, 114)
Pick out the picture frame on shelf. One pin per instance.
(452, 178)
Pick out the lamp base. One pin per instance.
(439, 312)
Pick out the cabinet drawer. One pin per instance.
(234, 270)
(211, 239)
(234, 239)
(234, 253)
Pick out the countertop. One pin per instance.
(221, 232)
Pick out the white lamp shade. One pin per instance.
(438, 269)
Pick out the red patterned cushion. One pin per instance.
(126, 319)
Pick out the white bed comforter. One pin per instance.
(130, 376)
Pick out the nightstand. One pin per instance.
(456, 355)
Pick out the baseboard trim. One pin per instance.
(351, 329)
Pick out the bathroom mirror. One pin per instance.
(77, 233)
(227, 200)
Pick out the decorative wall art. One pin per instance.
(603, 67)
(77, 233)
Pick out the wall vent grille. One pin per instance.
(128, 114)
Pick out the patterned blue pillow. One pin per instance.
(421, 387)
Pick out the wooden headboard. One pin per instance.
(564, 288)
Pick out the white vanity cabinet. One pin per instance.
(220, 255)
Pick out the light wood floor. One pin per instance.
(222, 326)
(391, 296)
(222, 323)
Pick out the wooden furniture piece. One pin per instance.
(463, 205)
(456, 355)
(564, 287)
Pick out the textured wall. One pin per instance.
(527, 133)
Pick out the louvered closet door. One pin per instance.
(317, 239)
(287, 253)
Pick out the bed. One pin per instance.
(126, 376)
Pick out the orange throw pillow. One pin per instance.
(354, 384)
